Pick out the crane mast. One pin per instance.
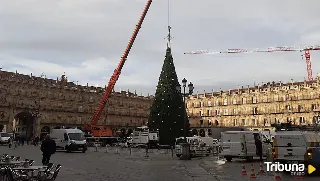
(117, 71)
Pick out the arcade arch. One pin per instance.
(25, 124)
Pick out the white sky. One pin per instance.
(86, 38)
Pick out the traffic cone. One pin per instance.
(261, 172)
(243, 172)
(252, 175)
(277, 176)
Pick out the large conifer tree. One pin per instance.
(167, 110)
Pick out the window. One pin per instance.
(4, 135)
(302, 120)
(234, 101)
(235, 111)
(255, 110)
(208, 113)
(76, 136)
(226, 112)
(66, 138)
(216, 112)
(254, 100)
(225, 102)
(299, 108)
(265, 98)
(79, 119)
(201, 104)
(284, 98)
(209, 103)
(244, 100)
(80, 109)
(288, 107)
(265, 122)
(254, 122)
(209, 122)
(200, 113)
(217, 102)
(313, 106)
(244, 122)
(235, 122)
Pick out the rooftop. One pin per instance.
(60, 83)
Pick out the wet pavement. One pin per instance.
(115, 164)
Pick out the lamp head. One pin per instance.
(184, 82)
(190, 86)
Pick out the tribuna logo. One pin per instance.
(287, 167)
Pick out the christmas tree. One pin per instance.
(168, 111)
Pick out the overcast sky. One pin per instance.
(86, 38)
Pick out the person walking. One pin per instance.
(48, 148)
(258, 144)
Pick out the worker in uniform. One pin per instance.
(258, 144)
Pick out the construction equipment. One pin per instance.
(93, 128)
(306, 50)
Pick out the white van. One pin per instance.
(4, 138)
(294, 146)
(241, 144)
(69, 139)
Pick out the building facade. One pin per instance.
(257, 107)
(33, 105)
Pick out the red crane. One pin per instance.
(93, 128)
(306, 50)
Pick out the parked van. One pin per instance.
(4, 138)
(295, 146)
(69, 139)
(241, 144)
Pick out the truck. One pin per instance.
(142, 137)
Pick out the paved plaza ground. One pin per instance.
(119, 165)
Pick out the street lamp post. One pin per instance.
(185, 146)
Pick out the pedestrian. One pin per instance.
(258, 144)
(48, 148)
(37, 139)
(10, 142)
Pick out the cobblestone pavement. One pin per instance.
(114, 164)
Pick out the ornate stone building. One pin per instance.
(257, 107)
(32, 104)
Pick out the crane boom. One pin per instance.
(117, 71)
(306, 50)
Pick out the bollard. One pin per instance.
(106, 148)
(96, 147)
(117, 149)
(147, 152)
(172, 151)
(130, 150)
